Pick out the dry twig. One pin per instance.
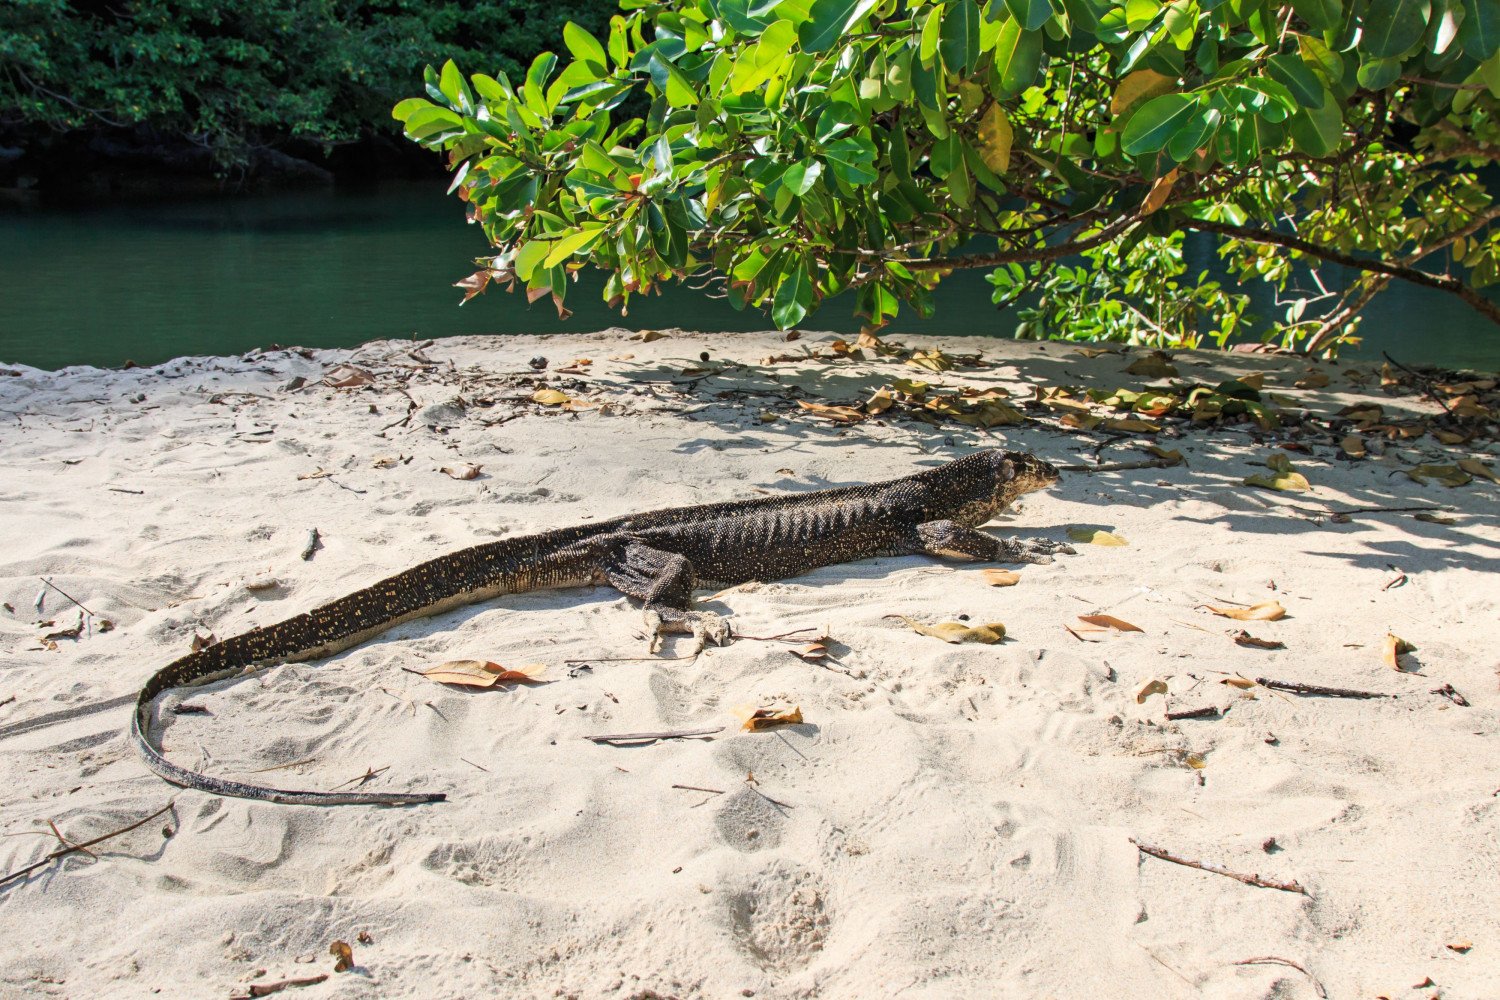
(1318, 690)
(1274, 960)
(72, 848)
(674, 734)
(1203, 866)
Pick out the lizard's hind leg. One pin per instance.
(663, 581)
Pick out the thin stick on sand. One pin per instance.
(675, 734)
(1203, 866)
(1318, 690)
(1274, 960)
(74, 848)
(1155, 463)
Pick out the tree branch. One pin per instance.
(1046, 252)
(1270, 237)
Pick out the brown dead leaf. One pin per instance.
(1450, 437)
(813, 653)
(343, 956)
(1314, 379)
(762, 719)
(1096, 352)
(1156, 364)
(1160, 191)
(1243, 638)
(1110, 621)
(468, 470)
(1243, 683)
(1353, 446)
(1080, 421)
(1173, 456)
(1394, 647)
(1001, 577)
(1475, 467)
(839, 414)
(955, 632)
(1131, 425)
(1462, 947)
(347, 377)
(202, 641)
(482, 673)
(1432, 518)
(1151, 687)
(1265, 611)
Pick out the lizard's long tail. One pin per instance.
(561, 558)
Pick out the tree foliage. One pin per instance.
(236, 76)
(792, 150)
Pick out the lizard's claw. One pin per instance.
(1035, 550)
(703, 626)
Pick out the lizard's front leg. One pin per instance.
(663, 581)
(948, 538)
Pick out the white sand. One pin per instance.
(954, 821)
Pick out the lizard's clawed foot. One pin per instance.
(703, 626)
(1034, 550)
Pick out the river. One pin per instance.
(148, 281)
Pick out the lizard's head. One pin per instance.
(995, 479)
(1017, 473)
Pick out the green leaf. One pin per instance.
(1378, 74)
(451, 83)
(801, 176)
(1031, 14)
(1140, 13)
(585, 47)
(403, 110)
(959, 41)
(1293, 74)
(931, 32)
(1324, 61)
(1394, 27)
(1018, 56)
(1320, 15)
(1157, 121)
(850, 159)
(567, 245)
(1480, 31)
(828, 20)
(529, 257)
(1317, 131)
(794, 297)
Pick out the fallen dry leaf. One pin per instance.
(1095, 536)
(1173, 456)
(1475, 467)
(1448, 475)
(762, 719)
(1314, 379)
(1394, 647)
(1196, 761)
(387, 462)
(1096, 352)
(550, 397)
(1462, 947)
(343, 956)
(1432, 518)
(989, 633)
(1130, 425)
(1001, 577)
(1265, 611)
(1243, 683)
(1243, 638)
(647, 336)
(347, 377)
(1153, 365)
(1283, 477)
(1110, 621)
(468, 470)
(1151, 687)
(318, 473)
(482, 673)
(1353, 446)
(813, 653)
(841, 414)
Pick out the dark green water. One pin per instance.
(148, 281)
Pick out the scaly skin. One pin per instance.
(658, 558)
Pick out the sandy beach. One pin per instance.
(948, 821)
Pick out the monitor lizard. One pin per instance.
(657, 558)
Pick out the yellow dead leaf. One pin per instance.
(1265, 611)
(1139, 86)
(1314, 379)
(1394, 647)
(841, 414)
(989, 633)
(992, 413)
(762, 719)
(1256, 380)
(482, 673)
(881, 401)
(468, 470)
(1448, 475)
(343, 956)
(1243, 683)
(995, 137)
(1196, 761)
(1288, 482)
(1001, 577)
(1131, 425)
(1363, 414)
(647, 336)
(1093, 536)
(1475, 467)
(933, 360)
(550, 397)
(1151, 687)
(1160, 191)
(1173, 456)
(1110, 621)
(1081, 421)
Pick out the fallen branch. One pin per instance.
(1264, 883)
(1273, 960)
(266, 989)
(119, 489)
(74, 848)
(68, 596)
(696, 788)
(672, 734)
(1155, 463)
(314, 543)
(1318, 690)
(1206, 712)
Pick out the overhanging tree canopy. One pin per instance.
(795, 149)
